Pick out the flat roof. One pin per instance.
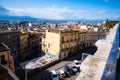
(38, 62)
(92, 68)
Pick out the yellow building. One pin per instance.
(24, 44)
(61, 43)
(24, 39)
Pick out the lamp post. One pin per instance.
(25, 72)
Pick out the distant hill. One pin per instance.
(9, 17)
(4, 15)
(3, 11)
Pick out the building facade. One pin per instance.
(61, 43)
(6, 58)
(88, 38)
(92, 37)
(35, 44)
(43, 45)
(24, 45)
(12, 40)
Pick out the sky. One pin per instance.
(64, 9)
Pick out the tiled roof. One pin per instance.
(80, 30)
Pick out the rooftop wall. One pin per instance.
(102, 65)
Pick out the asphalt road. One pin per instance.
(45, 73)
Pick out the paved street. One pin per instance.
(43, 73)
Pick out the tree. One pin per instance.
(110, 24)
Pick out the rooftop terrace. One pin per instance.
(102, 65)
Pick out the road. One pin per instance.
(43, 73)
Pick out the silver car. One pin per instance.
(61, 73)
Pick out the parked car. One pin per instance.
(77, 63)
(74, 69)
(67, 70)
(53, 75)
(61, 73)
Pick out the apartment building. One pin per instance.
(24, 36)
(24, 44)
(12, 40)
(60, 43)
(6, 58)
(43, 45)
(88, 38)
(35, 44)
(92, 37)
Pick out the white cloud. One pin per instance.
(116, 17)
(52, 12)
(101, 12)
(55, 12)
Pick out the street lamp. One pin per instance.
(25, 72)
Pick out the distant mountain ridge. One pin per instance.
(3, 11)
(4, 15)
(9, 17)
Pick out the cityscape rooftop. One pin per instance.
(59, 40)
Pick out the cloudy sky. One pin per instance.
(64, 9)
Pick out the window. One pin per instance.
(67, 45)
(2, 59)
(52, 36)
(62, 46)
(66, 38)
(62, 39)
(48, 45)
